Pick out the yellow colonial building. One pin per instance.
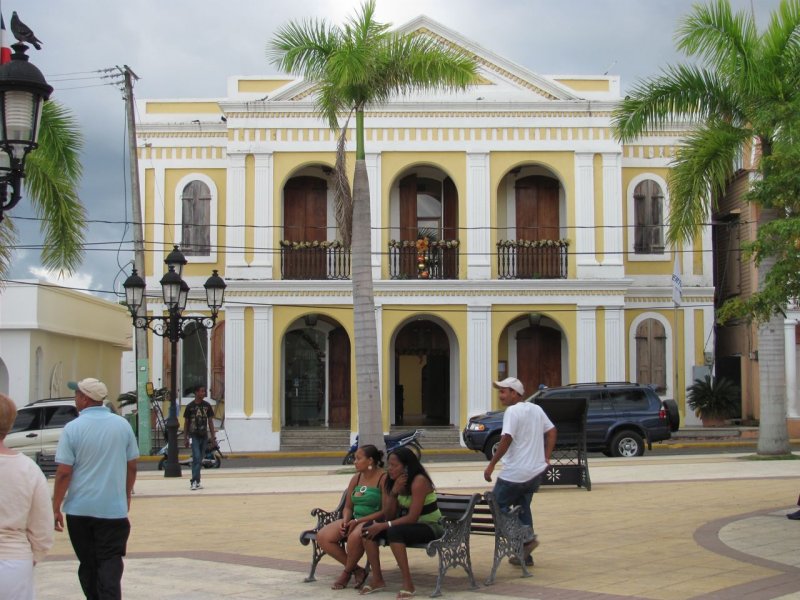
(511, 235)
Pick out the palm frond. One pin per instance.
(682, 92)
(52, 176)
(304, 47)
(8, 239)
(725, 40)
(700, 172)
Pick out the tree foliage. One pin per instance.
(52, 176)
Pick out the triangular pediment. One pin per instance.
(500, 80)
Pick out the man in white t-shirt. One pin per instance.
(526, 443)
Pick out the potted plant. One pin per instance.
(714, 401)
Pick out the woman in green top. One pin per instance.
(413, 517)
(363, 503)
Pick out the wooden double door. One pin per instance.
(538, 357)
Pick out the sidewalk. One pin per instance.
(660, 527)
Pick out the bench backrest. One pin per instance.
(455, 506)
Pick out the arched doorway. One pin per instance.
(535, 350)
(316, 374)
(422, 374)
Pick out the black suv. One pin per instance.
(620, 418)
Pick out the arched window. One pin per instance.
(651, 355)
(648, 214)
(196, 219)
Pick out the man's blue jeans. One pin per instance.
(510, 493)
(199, 444)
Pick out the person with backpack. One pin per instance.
(198, 428)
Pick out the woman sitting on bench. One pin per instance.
(363, 504)
(413, 517)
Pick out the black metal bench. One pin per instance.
(452, 547)
(463, 514)
(569, 464)
(508, 532)
(47, 463)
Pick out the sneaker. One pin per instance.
(194, 486)
(795, 516)
(198, 486)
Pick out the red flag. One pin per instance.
(5, 48)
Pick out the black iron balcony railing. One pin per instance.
(423, 259)
(524, 259)
(314, 260)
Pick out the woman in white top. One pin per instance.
(26, 514)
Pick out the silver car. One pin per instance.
(38, 425)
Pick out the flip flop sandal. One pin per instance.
(368, 589)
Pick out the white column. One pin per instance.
(790, 350)
(584, 210)
(615, 344)
(613, 202)
(379, 330)
(479, 359)
(159, 239)
(263, 376)
(373, 163)
(234, 362)
(478, 234)
(263, 235)
(587, 345)
(235, 213)
(687, 341)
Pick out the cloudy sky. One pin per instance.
(188, 48)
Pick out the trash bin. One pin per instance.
(133, 419)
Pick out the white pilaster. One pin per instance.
(263, 235)
(612, 217)
(790, 350)
(235, 213)
(614, 346)
(373, 163)
(690, 419)
(263, 375)
(478, 232)
(587, 345)
(584, 210)
(234, 362)
(479, 359)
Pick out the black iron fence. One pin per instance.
(314, 260)
(522, 259)
(439, 260)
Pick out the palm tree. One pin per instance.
(52, 175)
(729, 96)
(353, 67)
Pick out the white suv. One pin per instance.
(38, 425)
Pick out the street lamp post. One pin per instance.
(23, 91)
(175, 293)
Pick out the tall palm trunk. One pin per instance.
(370, 422)
(773, 433)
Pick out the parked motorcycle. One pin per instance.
(212, 459)
(392, 441)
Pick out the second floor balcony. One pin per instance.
(532, 259)
(423, 259)
(314, 260)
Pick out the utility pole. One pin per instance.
(142, 362)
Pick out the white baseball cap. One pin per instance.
(91, 388)
(512, 383)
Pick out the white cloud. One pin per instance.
(81, 282)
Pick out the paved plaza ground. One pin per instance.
(657, 527)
